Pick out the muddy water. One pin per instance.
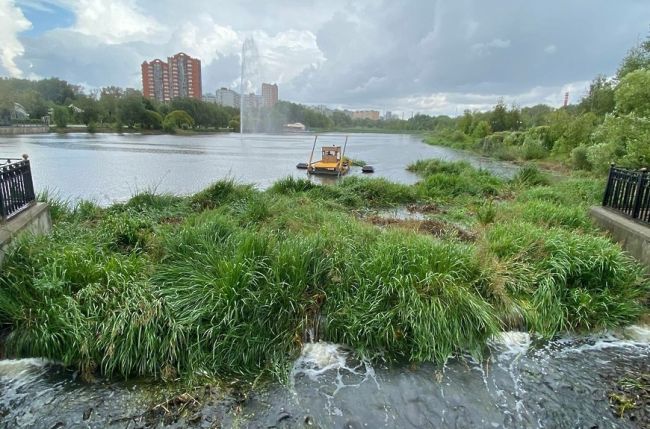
(523, 383)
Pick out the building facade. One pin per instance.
(179, 77)
(185, 76)
(228, 97)
(155, 80)
(269, 94)
(373, 115)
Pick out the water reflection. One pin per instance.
(111, 167)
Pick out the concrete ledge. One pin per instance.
(36, 220)
(633, 236)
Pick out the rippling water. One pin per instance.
(111, 167)
(524, 383)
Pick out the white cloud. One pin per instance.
(550, 49)
(12, 22)
(115, 21)
(487, 47)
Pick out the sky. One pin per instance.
(409, 56)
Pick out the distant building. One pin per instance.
(269, 94)
(373, 115)
(155, 80)
(252, 101)
(209, 98)
(185, 76)
(389, 116)
(179, 77)
(228, 97)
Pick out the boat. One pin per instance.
(332, 162)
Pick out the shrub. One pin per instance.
(529, 175)
(579, 158)
(533, 148)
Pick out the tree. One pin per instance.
(177, 119)
(61, 116)
(637, 58)
(481, 130)
(465, 122)
(130, 110)
(633, 93)
(499, 117)
(600, 98)
(152, 120)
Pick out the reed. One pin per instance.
(226, 282)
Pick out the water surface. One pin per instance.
(107, 168)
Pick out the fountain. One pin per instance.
(249, 108)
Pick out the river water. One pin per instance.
(524, 383)
(107, 168)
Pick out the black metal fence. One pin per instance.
(628, 191)
(16, 187)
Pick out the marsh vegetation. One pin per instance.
(226, 282)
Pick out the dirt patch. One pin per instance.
(425, 208)
(428, 226)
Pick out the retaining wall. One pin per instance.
(633, 236)
(24, 129)
(36, 220)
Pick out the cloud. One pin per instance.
(12, 22)
(116, 21)
(486, 48)
(434, 56)
(550, 49)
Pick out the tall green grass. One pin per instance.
(225, 282)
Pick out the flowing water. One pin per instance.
(523, 383)
(106, 168)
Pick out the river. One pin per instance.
(524, 383)
(107, 168)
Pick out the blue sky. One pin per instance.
(45, 16)
(430, 56)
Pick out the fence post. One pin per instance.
(638, 193)
(608, 187)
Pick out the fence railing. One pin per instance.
(628, 191)
(16, 187)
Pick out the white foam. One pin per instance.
(511, 343)
(639, 333)
(16, 367)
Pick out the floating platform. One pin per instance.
(367, 169)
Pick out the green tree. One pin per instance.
(633, 93)
(499, 117)
(61, 116)
(481, 130)
(152, 120)
(130, 110)
(177, 119)
(637, 58)
(465, 122)
(600, 98)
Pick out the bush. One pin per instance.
(529, 175)
(91, 127)
(579, 159)
(533, 148)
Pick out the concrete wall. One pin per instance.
(24, 129)
(36, 220)
(633, 236)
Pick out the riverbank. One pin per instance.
(232, 281)
(498, 150)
